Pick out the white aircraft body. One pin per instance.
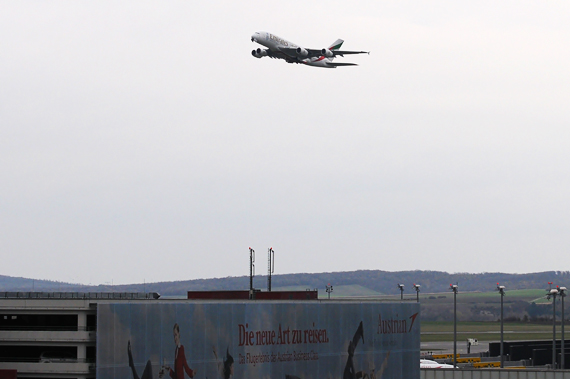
(426, 363)
(279, 48)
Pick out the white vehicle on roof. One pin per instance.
(426, 363)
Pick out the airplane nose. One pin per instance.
(254, 37)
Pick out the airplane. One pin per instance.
(279, 48)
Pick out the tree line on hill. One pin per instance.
(381, 282)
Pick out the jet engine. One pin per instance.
(302, 52)
(327, 53)
(259, 53)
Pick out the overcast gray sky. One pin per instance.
(141, 141)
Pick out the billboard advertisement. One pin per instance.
(253, 339)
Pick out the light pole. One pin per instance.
(453, 287)
(501, 290)
(270, 266)
(417, 288)
(552, 294)
(401, 287)
(251, 271)
(562, 293)
(329, 290)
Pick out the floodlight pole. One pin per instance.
(552, 294)
(562, 292)
(417, 288)
(453, 287)
(270, 266)
(554, 331)
(329, 290)
(501, 290)
(401, 287)
(251, 271)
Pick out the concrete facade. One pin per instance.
(52, 335)
(37, 339)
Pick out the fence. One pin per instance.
(493, 374)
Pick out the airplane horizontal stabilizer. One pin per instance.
(342, 53)
(334, 64)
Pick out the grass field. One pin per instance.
(514, 294)
(350, 291)
(485, 331)
(470, 304)
(537, 296)
(445, 297)
(530, 295)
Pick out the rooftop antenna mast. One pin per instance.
(270, 266)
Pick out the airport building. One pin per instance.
(141, 336)
(52, 335)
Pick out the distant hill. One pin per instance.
(9, 283)
(348, 283)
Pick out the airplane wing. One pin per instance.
(319, 53)
(292, 52)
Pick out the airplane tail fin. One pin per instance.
(336, 44)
